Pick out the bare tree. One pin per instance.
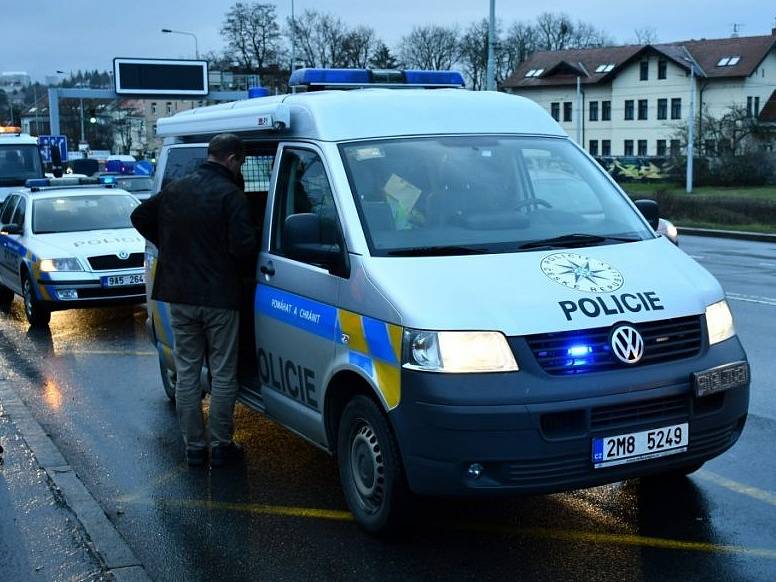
(473, 54)
(429, 47)
(585, 35)
(519, 43)
(360, 44)
(321, 39)
(556, 31)
(252, 33)
(645, 35)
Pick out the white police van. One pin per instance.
(68, 243)
(453, 298)
(19, 159)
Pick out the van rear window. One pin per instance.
(182, 161)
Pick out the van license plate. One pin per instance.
(123, 280)
(640, 446)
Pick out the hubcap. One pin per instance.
(28, 297)
(366, 467)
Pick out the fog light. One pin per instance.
(67, 294)
(475, 470)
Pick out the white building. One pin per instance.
(633, 98)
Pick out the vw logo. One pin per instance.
(627, 344)
(123, 255)
(582, 273)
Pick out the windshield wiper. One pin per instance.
(574, 240)
(436, 251)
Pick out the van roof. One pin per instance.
(367, 114)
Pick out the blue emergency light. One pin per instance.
(352, 78)
(107, 179)
(38, 183)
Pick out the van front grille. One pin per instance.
(664, 341)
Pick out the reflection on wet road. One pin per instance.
(93, 382)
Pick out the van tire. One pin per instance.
(6, 298)
(38, 315)
(376, 490)
(169, 379)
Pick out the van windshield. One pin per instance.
(484, 194)
(19, 163)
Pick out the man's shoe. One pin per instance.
(230, 454)
(196, 457)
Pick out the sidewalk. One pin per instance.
(40, 539)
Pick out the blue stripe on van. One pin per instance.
(363, 362)
(306, 314)
(376, 334)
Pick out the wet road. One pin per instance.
(93, 383)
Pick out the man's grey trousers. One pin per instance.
(199, 331)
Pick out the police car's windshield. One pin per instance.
(475, 194)
(19, 163)
(81, 213)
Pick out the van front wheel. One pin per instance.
(370, 467)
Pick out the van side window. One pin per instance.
(303, 187)
(182, 161)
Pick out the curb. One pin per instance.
(112, 550)
(735, 234)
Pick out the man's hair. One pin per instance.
(224, 145)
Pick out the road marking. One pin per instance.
(530, 532)
(753, 298)
(753, 492)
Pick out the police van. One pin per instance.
(20, 159)
(453, 298)
(68, 243)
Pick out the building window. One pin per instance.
(606, 110)
(153, 108)
(756, 106)
(662, 108)
(675, 147)
(593, 149)
(169, 108)
(642, 147)
(555, 111)
(643, 107)
(661, 147)
(629, 109)
(606, 147)
(662, 69)
(628, 149)
(644, 71)
(676, 108)
(567, 110)
(594, 111)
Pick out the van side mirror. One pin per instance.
(307, 238)
(11, 229)
(650, 210)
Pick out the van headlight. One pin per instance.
(53, 265)
(457, 352)
(719, 322)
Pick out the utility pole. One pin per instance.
(490, 82)
(579, 112)
(691, 129)
(83, 139)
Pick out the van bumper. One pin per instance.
(532, 432)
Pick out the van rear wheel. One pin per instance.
(370, 467)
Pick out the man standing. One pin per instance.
(201, 227)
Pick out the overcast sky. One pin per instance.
(41, 36)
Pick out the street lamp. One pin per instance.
(191, 34)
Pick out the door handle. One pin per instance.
(268, 269)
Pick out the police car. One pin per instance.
(453, 298)
(68, 243)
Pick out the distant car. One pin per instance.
(140, 186)
(668, 230)
(69, 245)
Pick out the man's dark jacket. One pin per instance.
(202, 228)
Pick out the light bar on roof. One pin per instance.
(342, 78)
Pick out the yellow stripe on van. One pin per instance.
(389, 382)
(350, 324)
(395, 333)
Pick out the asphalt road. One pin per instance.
(93, 383)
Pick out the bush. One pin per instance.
(723, 211)
(749, 169)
